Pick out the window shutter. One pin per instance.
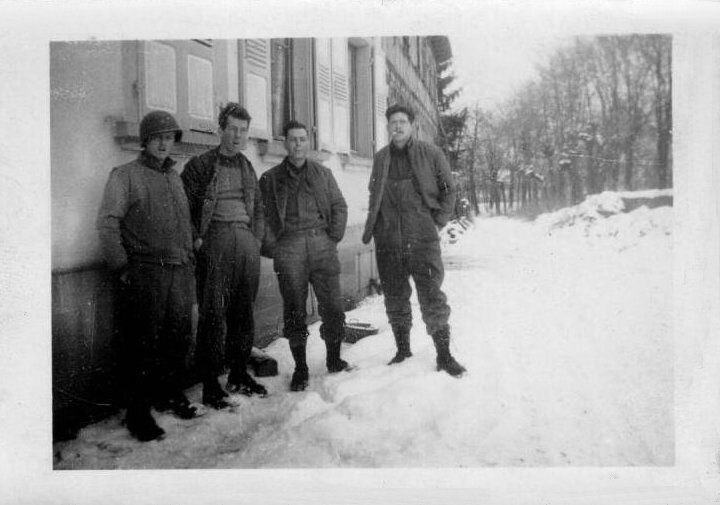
(200, 103)
(323, 79)
(160, 77)
(302, 82)
(255, 94)
(340, 95)
(381, 94)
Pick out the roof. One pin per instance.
(441, 49)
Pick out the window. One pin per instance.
(178, 77)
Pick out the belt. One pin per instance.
(311, 232)
(238, 224)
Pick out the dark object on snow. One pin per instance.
(631, 203)
(355, 330)
(262, 363)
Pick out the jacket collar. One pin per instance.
(155, 164)
(404, 149)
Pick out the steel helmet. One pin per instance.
(158, 121)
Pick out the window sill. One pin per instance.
(127, 133)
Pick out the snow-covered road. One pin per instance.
(565, 326)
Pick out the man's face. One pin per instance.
(296, 143)
(400, 128)
(234, 137)
(160, 145)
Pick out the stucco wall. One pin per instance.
(86, 89)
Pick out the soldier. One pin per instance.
(411, 199)
(228, 221)
(306, 216)
(146, 237)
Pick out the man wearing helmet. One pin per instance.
(146, 238)
(228, 222)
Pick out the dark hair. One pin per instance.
(235, 110)
(293, 125)
(394, 109)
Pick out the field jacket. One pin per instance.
(201, 186)
(144, 215)
(431, 178)
(329, 199)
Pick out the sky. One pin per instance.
(492, 64)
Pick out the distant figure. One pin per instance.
(411, 198)
(306, 216)
(146, 237)
(228, 223)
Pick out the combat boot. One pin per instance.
(445, 361)
(141, 425)
(214, 396)
(300, 376)
(333, 361)
(402, 341)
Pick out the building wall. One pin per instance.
(95, 111)
(406, 82)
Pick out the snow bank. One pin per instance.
(601, 219)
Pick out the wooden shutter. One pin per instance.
(381, 94)
(160, 77)
(340, 95)
(255, 64)
(200, 86)
(323, 96)
(178, 77)
(303, 80)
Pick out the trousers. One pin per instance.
(155, 323)
(228, 274)
(309, 258)
(421, 261)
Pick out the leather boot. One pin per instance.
(402, 341)
(333, 361)
(140, 423)
(445, 361)
(214, 396)
(300, 376)
(239, 381)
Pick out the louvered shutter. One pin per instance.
(340, 95)
(255, 63)
(381, 94)
(323, 97)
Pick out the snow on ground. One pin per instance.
(565, 326)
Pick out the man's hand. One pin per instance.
(125, 277)
(197, 244)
